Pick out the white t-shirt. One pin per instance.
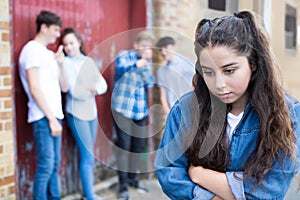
(176, 78)
(32, 55)
(232, 122)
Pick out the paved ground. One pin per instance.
(294, 191)
(154, 193)
(108, 190)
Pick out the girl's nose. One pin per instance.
(220, 82)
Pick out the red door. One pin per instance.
(98, 21)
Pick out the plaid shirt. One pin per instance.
(129, 97)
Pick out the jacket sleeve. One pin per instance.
(278, 179)
(171, 165)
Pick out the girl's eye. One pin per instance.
(229, 71)
(208, 73)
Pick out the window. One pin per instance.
(263, 8)
(290, 26)
(217, 5)
(223, 5)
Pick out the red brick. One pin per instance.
(7, 180)
(4, 25)
(5, 70)
(7, 81)
(2, 192)
(11, 190)
(2, 171)
(5, 93)
(5, 115)
(5, 37)
(8, 126)
(8, 104)
(159, 4)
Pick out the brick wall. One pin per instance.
(7, 166)
(177, 19)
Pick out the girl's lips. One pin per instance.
(225, 95)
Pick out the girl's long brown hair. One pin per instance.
(241, 33)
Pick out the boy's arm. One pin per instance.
(124, 63)
(34, 86)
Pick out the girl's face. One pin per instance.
(227, 75)
(71, 45)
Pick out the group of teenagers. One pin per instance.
(231, 130)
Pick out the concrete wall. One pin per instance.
(288, 60)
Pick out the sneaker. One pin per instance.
(123, 194)
(140, 188)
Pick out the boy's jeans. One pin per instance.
(48, 159)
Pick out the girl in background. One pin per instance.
(85, 81)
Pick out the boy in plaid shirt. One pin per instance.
(133, 78)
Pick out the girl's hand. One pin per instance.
(59, 55)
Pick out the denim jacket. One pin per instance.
(171, 164)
